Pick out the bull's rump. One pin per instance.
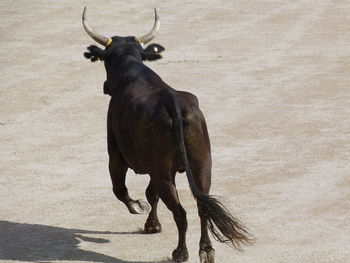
(143, 126)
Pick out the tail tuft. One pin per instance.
(223, 226)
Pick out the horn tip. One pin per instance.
(156, 14)
(83, 17)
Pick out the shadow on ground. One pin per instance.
(40, 243)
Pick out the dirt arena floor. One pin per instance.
(273, 80)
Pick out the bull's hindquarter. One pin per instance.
(141, 129)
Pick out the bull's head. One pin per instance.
(117, 47)
(151, 52)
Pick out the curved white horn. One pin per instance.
(103, 40)
(152, 34)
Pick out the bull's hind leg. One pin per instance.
(117, 171)
(200, 164)
(206, 251)
(167, 191)
(152, 224)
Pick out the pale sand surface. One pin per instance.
(273, 80)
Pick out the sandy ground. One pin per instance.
(273, 81)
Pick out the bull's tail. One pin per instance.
(221, 223)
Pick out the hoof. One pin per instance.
(139, 207)
(152, 227)
(180, 255)
(207, 255)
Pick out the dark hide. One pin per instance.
(156, 130)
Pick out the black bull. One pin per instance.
(156, 130)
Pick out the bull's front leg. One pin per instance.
(152, 224)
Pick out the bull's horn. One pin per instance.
(103, 40)
(149, 36)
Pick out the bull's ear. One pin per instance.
(152, 52)
(155, 48)
(95, 53)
